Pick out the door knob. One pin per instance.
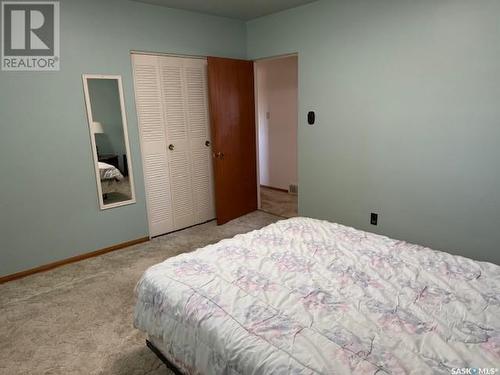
(207, 143)
(218, 155)
(171, 147)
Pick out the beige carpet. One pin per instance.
(77, 319)
(278, 202)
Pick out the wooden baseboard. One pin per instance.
(77, 258)
(274, 188)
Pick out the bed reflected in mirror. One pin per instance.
(109, 140)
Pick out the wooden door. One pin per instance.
(232, 111)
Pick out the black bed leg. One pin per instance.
(160, 355)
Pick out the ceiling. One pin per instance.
(240, 9)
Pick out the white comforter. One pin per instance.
(109, 172)
(304, 296)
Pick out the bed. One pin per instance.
(304, 296)
(111, 178)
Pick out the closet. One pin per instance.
(172, 108)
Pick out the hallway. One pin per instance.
(278, 202)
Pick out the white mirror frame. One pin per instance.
(118, 78)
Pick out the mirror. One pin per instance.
(109, 139)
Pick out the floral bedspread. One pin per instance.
(304, 296)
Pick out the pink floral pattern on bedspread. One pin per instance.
(305, 296)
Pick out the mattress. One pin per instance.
(304, 296)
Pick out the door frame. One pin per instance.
(138, 52)
(257, 122)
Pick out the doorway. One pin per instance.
(276, 88)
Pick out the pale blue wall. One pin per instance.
(407, 99)
(48, 203)
(407, 95)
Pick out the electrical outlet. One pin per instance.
(373, 218)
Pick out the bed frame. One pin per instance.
(164, 359)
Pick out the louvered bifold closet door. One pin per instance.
(195, 73)
(173, 89)
(153, 143)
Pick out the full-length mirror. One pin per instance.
(109, 139)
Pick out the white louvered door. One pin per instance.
(178, 153)
(153, 143)
(180, 102)
(195, 73)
